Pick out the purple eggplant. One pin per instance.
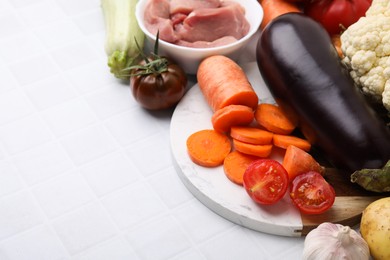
(304, 73)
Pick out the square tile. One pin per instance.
(69, 116)
(38, 243)
(58, 33)
(74, 7)
(125, 127)
(24, 134)
(18, 212)
(108, 101)
(63, 194)
(88, 144)
(42, 162)
(21, 3)
(295, 252)
(4, 5)
(90, 22)
(158, 151)
(195, 218)
(32, 69)
(230, 245)
(191, 254)
(167, 240)
(267, 242)
(37, 14)
(7, 80)
(2, 152)
(133, 204)
(9, 179)
(161, 117)
(15, 101)
(109, 173)
(177, 193)
(9, 24)
(99, 48)
(114, 249)
(92, 77)
(20, 46)
(84, 228)
(50, 91)
(73, 55)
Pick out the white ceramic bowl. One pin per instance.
(189, 58)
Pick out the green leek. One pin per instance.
(122, 35)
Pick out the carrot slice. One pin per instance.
(223, 119)
(283, 141)
(296, 161)
(223, 82)
(274, 8)
(208, 147)
(251, 135)
(272, 118)
(260, 150)
(235, 165)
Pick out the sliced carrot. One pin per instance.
(252, 135)
(223, 82)
(260, 150)
(296, 161)
(283, 141)
(208, 147)
(273, 118)
(235, 165)
(233, 115)
(274, 8)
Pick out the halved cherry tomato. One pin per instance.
(266, 181)
(311, 193)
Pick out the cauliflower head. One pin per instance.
(366, 48)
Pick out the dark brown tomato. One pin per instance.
(158, 89)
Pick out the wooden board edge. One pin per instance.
(346, 211)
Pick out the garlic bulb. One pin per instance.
(335, 241)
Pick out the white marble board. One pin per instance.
(210, 185)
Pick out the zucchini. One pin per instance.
(304, 73)
(122, 35)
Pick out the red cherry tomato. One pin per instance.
(266, 181)
(311, 193)
(333, 13)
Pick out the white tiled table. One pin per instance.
(85, 173)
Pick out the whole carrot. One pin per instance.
(274, 8)
(223, 82)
